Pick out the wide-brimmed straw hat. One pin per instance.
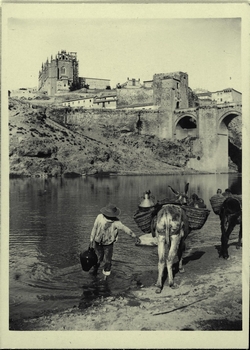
(111, 210)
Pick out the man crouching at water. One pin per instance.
(104, 234)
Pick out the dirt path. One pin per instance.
(208, 297)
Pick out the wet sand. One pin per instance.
(208, 296)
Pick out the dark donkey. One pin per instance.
(180, 197)
(171, 227)
(230, 216)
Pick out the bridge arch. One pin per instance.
(185, 125)
(227, 117)
(225, 148)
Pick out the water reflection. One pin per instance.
(50, 224)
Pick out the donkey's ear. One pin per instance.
(186, 188)
(175, 192)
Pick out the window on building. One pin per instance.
(63, 70)
(177, 85)
(221, 99)
(177, 104)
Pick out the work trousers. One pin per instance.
(104, 252)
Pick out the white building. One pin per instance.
(24, 92)
(204, 96)
(83, 102)
(108, 102)
(227, 95)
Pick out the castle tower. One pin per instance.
(59, 74)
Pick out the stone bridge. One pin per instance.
(210, 125)
(207, 124)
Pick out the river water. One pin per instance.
(50, 224)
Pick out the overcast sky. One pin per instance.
(209, 50)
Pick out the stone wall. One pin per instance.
(153, 122)
(126, 97)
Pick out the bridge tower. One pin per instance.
(170, 91)
(212, 146)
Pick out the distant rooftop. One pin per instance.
(227, 90)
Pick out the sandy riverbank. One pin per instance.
(208, 296)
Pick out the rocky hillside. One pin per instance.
(40, 146)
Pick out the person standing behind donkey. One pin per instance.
(104, 234)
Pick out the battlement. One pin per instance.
(172, 75)
(63, 55)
